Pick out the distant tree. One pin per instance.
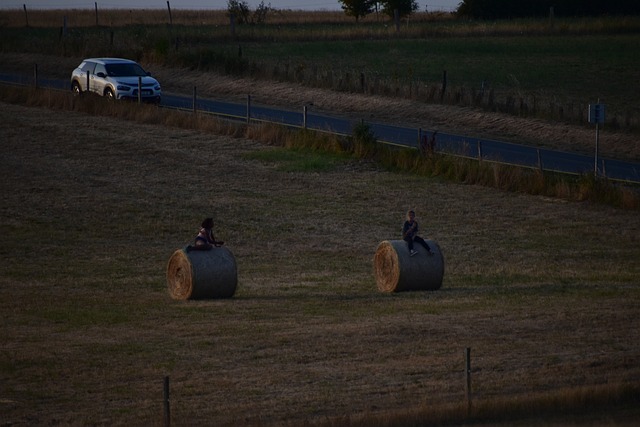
(357, 8)
(404, 7)
(239, 9)
(260, 14)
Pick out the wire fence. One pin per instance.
(455, 145)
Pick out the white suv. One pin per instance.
(115, 78)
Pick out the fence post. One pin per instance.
(467, 374)
(35, 75)
(248, 109)
(444, 85)
(166, 401)
(170, 19)
(139, 90)
(26, 15)
(539, 160)
(195, 97)
(96, 3)
(304, 117)
(479, 151)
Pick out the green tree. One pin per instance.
(404, 7)
(239, 9)
(357, 8)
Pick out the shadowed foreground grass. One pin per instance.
(544, 291)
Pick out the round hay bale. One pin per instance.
(396, 271)
(202, 274)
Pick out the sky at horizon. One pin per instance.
(431, 5)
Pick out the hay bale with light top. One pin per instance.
(202, 274)
(396, 271)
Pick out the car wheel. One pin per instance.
(108, 93)
(76, 89)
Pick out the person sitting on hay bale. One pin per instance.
(205, 239)
(410, 234)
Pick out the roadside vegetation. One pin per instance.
(362, 144)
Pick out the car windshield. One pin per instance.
(125, 70)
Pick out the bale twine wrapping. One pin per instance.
(202, 274)
(396, 271)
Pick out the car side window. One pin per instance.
(88, 67)
(100, 69)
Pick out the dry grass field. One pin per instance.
(544, 292)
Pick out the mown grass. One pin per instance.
(544, 291)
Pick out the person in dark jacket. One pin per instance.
(410, 234)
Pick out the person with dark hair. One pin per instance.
(205, 239)
(410, 234)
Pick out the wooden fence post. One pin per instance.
(169, 8)
(467, 374)
(195, 98)
(444, 85)
(35, 75)
(26, 15)
(166, 401)
(539, 160)
(248, 109)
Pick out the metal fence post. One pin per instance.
(304, 117)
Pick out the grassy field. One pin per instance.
(544, 292)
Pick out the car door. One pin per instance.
(86, 69)
(99, 79)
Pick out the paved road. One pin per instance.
(500, 151)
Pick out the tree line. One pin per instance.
(393, 8)
(504, 9)
(478, 9)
